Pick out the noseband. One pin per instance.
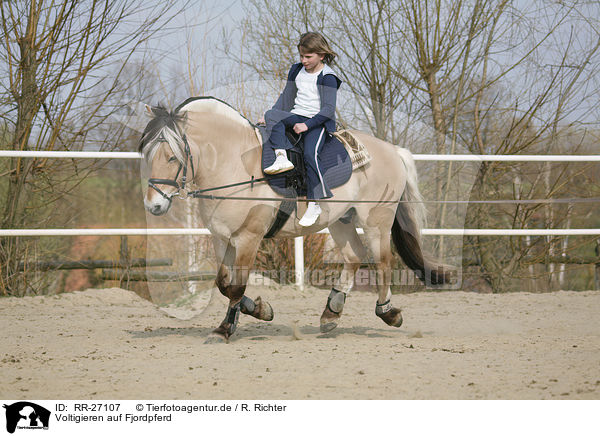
(152, 182)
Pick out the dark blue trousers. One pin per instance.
(314, 139)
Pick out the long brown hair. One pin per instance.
(313, 42)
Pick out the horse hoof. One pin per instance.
(393, 317)
(258, 309)
(327, 327)
(220, 335)
(329, 320)
(216, 338)
(265, 310)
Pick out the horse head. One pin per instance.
(167, 152)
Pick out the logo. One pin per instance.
(26, 415)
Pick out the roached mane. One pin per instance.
(215, 106)
(169, 124)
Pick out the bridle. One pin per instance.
(183, 167)
(152, 182)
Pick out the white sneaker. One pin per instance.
(311, 215)
(281, 164)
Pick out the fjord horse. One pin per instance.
(206, 143)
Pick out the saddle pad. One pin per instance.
(334, 161)
(358, 152)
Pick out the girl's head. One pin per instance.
(313, 42)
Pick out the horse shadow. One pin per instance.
(262, 331)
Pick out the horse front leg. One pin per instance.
(231, 280)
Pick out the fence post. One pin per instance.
(299, 261)
(124, 260)
(597, 268)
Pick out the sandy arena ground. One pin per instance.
(110, 344)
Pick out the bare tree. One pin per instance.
(552, 68)
(61, 62)
(489, 76)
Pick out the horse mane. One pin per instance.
(168, 123)
(213, 105)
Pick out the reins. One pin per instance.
(329, 200)
(201, 193)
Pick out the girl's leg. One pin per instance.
(314, 140)
(316, 188)
(277, 121)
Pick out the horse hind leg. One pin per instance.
(391, 315)
(333, 310)
(346, 238)
(379, 239)
(384, 309)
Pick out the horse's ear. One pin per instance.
(148, 110)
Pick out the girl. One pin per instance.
(308, 105)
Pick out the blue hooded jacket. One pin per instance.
(327, 84)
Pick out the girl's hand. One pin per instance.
(261, 120)
(300, 127)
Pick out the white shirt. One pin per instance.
(307, 102)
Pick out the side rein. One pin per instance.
(152, 182)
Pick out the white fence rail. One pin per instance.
(72, 154)
(298, 242)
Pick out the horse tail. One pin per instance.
(406, 230)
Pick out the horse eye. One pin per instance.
(172, 159)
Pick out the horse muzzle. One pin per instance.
(158, 202)
(158, 209)
(157, 206)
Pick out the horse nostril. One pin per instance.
(156, 209)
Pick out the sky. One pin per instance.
(192, 39)
(194, 35)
